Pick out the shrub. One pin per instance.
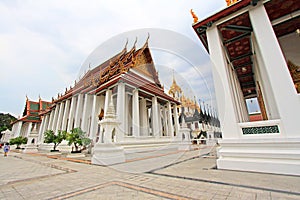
(78, 139)
(50, 137)
(18, 141)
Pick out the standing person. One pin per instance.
(6, 149)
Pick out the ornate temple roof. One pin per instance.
(235, 30)
(32, 110)
(124, 66)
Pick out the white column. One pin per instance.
(66, 115)
(164, 110)
(78, 113)
(17, 132)
(50, 120)
(227, 109)
(54, 123)
(155, 125)
(46, 119)
(41, 129)
(135, 114)
(108, 94)
(176, 122)
(159, 119)
(60, 115)
(286, 98)
(170, 122)
(98, 102)
(128, 123)
(144, 118)
(120, 109)
(107, 99)
(86, 113)
(71, 113)
(28, 129)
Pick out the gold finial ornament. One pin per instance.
(230, 2)
(194, 16)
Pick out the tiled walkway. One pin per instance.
(173, 175)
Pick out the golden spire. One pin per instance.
(194, 16)
(174, 88)
(230, 2)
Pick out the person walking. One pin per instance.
(6, 149)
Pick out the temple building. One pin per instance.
(129, 79)
(254, 46)
(199, 119)
(30, 118)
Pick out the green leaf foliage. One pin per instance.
(50, 137)
(78, 139)
(5, 121)
(18, 141)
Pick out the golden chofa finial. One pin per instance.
(230, 2)
(194, 16)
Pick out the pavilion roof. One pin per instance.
(235, 29)
(119, 68)
(32, 110)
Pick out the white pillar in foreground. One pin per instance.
(286, 98)
(50, 120)
(60, 115)
(135, 114)
(170, 122)
(120, 109)
(66, 115)
(78, 113)
(71, 113)
(165, 120)
(18, 129)
(46, 122)
(144, 118)
(53, 127)
(227, 109)
(155, 125)
(97, 102)
(176, 122)
(40, 134)
(86, 113)
(28, 129)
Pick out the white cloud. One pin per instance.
(44, 43)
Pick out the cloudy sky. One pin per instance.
(43, 44)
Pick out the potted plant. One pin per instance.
(18, 141)
(77, 138)
(50, 137)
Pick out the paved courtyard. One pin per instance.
(158, 174)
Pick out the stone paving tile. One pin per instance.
(189, 177)
(115, 192)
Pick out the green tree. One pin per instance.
(50, 137)
(18, 141)
(5, 121)
(78, 139)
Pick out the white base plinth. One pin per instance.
(280, 155)
(107, 154)
(75, 155)
(61, 147)
(30, 149)
(185, 146)
(45, 147)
